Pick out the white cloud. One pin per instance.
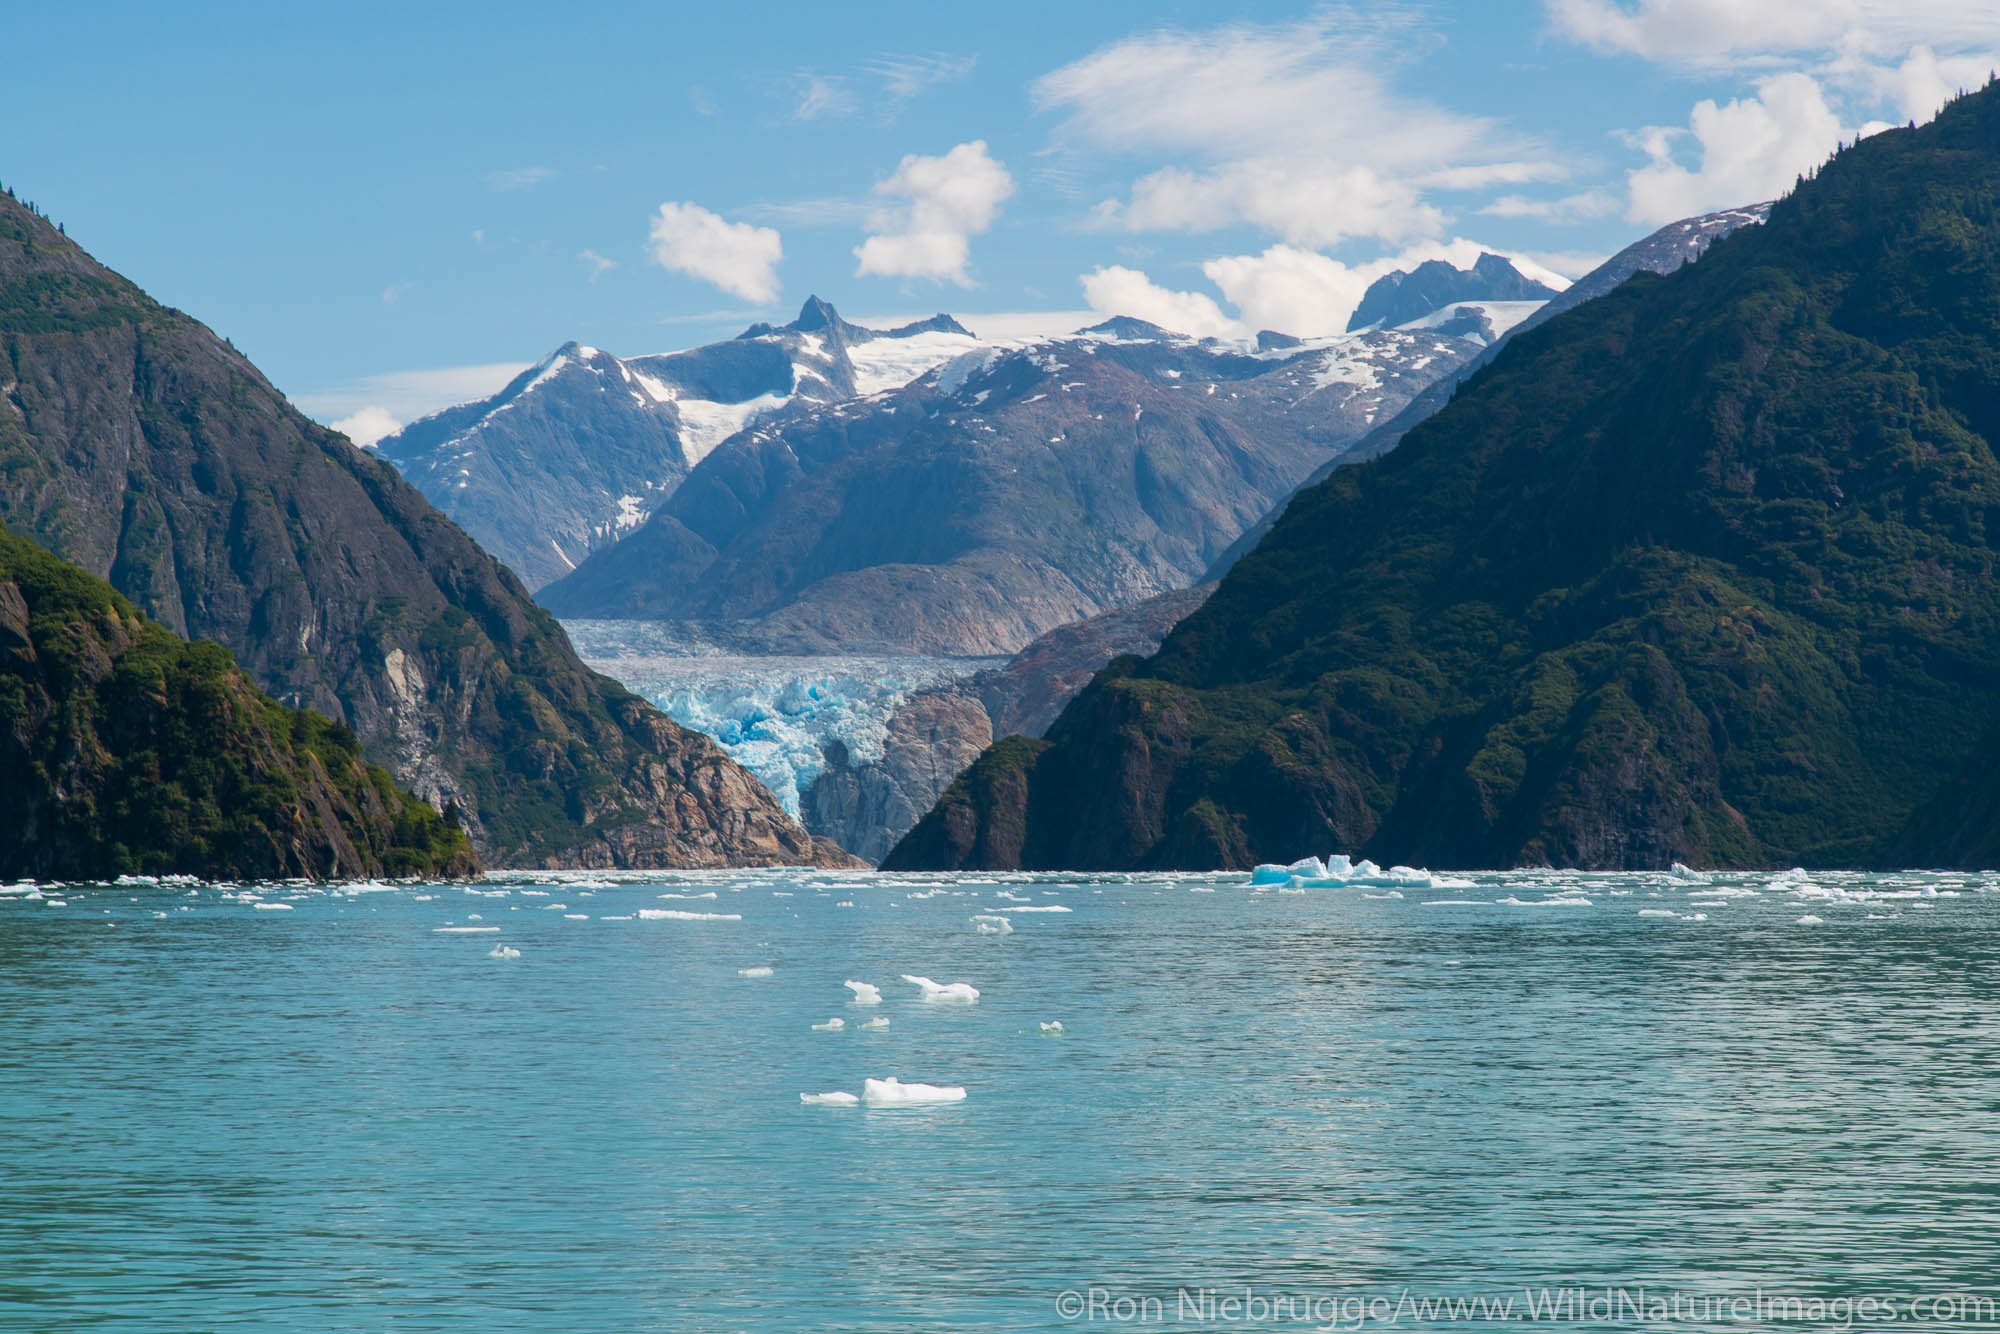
(1751, 149)
(905, 77)
(735, 256)
(1918, 87)
(367, 426)
(822, 95)
(519, 178)
(1708, 33)
(1286, 288)
(358, 407)
(1290, 128)
(596, 263)
(947, 201)
(1584, 206)
(1121, 291)
(1305, 205)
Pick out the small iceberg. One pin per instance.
(1682, 871)
(990, 924)
(1054, 1026)
(676, 915)
(865, 993)
(503, 952)
(958, 993)
(877, 1022)
(753, 972)
(465, 930)
(1810, 920)
(834, 1099)
(1339, 872)
(272, 907)
(832, 1025)
(1658, 912)
(893, 1092)
(1043, 907)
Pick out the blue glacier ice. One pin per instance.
(776, 716)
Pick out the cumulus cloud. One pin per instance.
(1293, 128)
(1287, 288)
(737, 257)
(367, 426)
(944, 202)
(1749, 149)
(1121, 291)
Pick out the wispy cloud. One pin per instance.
(519, 178)
(818, 96)
(596, 264)
(394, 291)
(881, 86)
(905, 77)
(824, 212)
(373, 406)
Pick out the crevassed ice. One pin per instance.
(776, 716)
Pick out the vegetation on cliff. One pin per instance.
(125, 749)
(1701, 570)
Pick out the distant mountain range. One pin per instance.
(137, 445)
(1010, 490)
(1700, 570)
(1398, 298)
(579, 450)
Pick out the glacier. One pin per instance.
(776, 716)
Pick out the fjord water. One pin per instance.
(289, 1107)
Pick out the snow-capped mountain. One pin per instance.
(1010, 490)
(1435, 285)
(576, 451)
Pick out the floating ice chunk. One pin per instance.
(832, 1025)
(1308, 868)
(877, 1022)
(1810, 920)
(676, 915)
(464, 930)
(1682, 871)
(1658, 912)
(272, 907)
(759, 971)
(834, 1099)
(1694, 917)
(845, 903)
(1559, 901)
(1054, 1026)
(893, 1092)
(709, 895)
(865, 993)
(1006, 894)
(1043, 907)
(576, 916)
(990, 924)
(503, 952)
(961, 993)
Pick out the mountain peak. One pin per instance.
(815, 315)
(1397, 298)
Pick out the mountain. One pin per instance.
(1005, 493)
(1398, 298)
(1662, 252)
(124, 749)
(1701, 570)
(136, 444)
(577, 451)
(866, 805)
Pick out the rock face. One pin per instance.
(1700, 570)
(1003, 494)
(136, 444)
(124, 750)
(577, 451)
(1398, 298)
(1662, 252)
(866, 806)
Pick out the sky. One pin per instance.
(391, 208)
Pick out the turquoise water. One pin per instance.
(334, 1116)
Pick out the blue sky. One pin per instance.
(389, 207)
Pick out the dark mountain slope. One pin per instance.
(1700, 570)
(124, 749)
(135, 443)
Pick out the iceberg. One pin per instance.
(990, 924)
(877, 1022)
(960, 993)
(676, 915)
(865, 993)
(834, 1099)
(893, 1092)
(503, 952)
(753, 972)
(1338, 872)
(832, 1025)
